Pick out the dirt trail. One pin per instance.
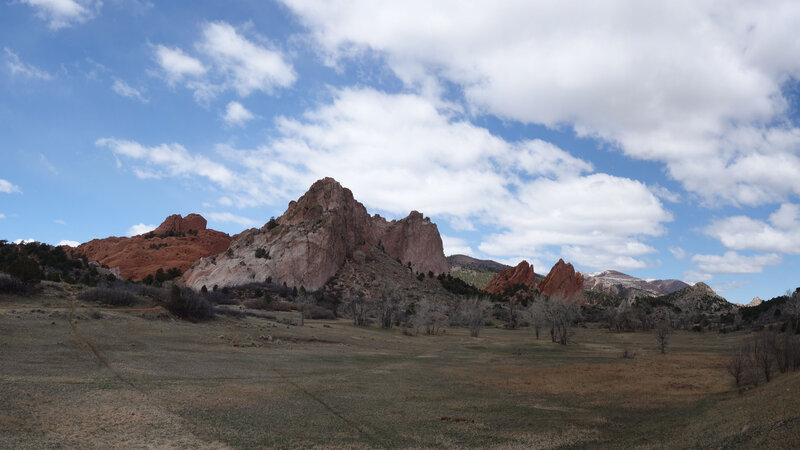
(82, 339)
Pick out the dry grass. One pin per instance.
(122, 380)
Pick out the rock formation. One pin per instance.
(755, 302)
(564, 282)
(311, 241)
(175, 224)
(522, 274)
(177, 242)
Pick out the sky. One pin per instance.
(660, 139)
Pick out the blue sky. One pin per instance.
(659, 140)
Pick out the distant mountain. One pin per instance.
(468, 262)
(476, 272)
(623, 285)
(177, 243)
(699, 298)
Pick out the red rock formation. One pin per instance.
(522, 274)
(311, 241)
(176, 224)
(142, 255)
(564, 282)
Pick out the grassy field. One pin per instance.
(76, 375)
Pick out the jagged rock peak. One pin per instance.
(563, 281)
(703, 288)
(755, 301)
(177, 224)
(314, 238)
(522, 274)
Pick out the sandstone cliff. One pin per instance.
(522, 274)
(563, 281)
(177, 242)
(311, 241)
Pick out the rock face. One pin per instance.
(624, 285)
(177, 242)
(563, 281)
(311, 241)
(755, 302)
(522, 274)
(175, 224)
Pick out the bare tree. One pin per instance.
(762, 356)
(561, 314)
(737, 365)
(419, 320)
(304, 301)
(472, 313)
(388, 304)
(357, 305)
(429, 315)
(662, 333)
(536, 311)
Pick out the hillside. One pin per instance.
(177, 243)
(624, 285)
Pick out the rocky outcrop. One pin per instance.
(669, 286)
(175, 224)
(563, 281)
(311, 241)
(522, 274)
(755, 302)
(177, 242)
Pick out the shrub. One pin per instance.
(108, 296)
(282, 306)
(26, 269)
(319, 313)
(12, 285)
(188, 304)
(256, 303)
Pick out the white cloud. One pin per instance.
(65, 13)
(124, 89)
(178, 65)
(781, 235)
(694, 85)
(18, 67)
(230, 61)
(455, 246)
(2, 216)
(399, 152)
(733, 262)
(69, 243)
(140, 228)
(60, 222)
(236, 114)
(725, 287)
(693, 277)
(677, 252)
(247, 66)
(232, 218)
(8, 188)
(168, 159)
(24, 241)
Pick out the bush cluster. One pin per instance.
(108, 296)
(12, 285)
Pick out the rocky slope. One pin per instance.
(476, 272)
(624, 285)
(699, 298)
(314, 238)
(468, 262)
(564, 281)
(522, 274)
(177, 242)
